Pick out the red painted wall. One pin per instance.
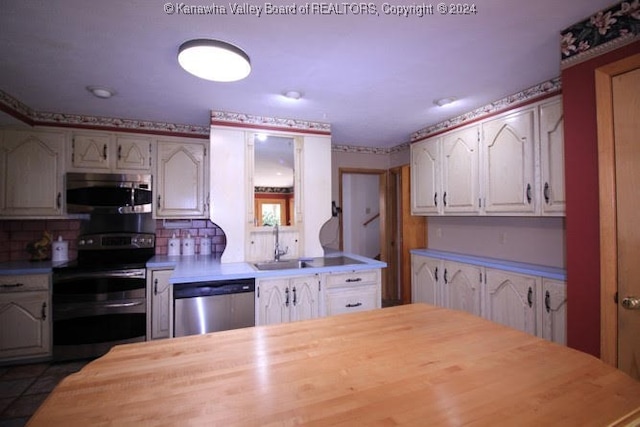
(581, 181)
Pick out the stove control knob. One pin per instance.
(90, 242)
(81, 242)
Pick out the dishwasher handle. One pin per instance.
(207, 289)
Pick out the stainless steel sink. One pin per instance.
(292, 264)
(289, 264)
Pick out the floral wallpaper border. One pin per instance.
(605, 30)
(226, 118)
(546, 88)
(76, 120)
(274, 190)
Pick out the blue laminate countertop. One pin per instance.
(200, 268)
(27, 267)
(516, 267)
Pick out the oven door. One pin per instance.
(93, 311)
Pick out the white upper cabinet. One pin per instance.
(461, 171)
(181, 189)
(31, 173)
(425, 177)
(109, 152)
(506, 165)
(509, 150)
(552, 158)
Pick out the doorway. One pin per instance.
(362, 226)
(618, 107)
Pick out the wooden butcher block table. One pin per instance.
(408, 365)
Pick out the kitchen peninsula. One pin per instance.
(408, 365)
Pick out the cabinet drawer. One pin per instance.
(24, 282)
(352, 278)
(351, 299)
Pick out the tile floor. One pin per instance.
(24, 387)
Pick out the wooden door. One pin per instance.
(461, 171)
(461, 287)
(510, 299)
(133, 153)
(180, 182)
(425, 177)
(618, 98)
(305, 298)
(508, 163)
(553, 311)
(552, 158)
(273, 301)
(424, 282)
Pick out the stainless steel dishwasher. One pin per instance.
(203, 307)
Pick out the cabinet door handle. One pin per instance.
(12, 285)
(529, 193)
(446, 280)
(435, 199)
(59, 200)
(444, 199)
(286, 297)
(546, 193)
(357, 279)
(155, 287)
(158, 201)
(435, 274)
(530, 297)
(104, 151)
(44, 311)
(358, 304)
(295, 299)
(547, 301)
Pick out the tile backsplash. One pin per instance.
(15, 235)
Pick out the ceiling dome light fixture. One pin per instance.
(101, 92)
(214, 60)
(292, 94)
(444, 101)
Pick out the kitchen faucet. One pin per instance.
(277, 252)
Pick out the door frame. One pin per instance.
(607, 191)
(382, 192)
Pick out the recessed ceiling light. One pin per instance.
(292, 94)
(101, 92)
(214, 60)
(444, 101)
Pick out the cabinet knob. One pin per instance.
(529, 198)
(547, 301)
(530, 297)
(286, 297)
(44, 311)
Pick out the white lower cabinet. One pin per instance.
(287, 299)
(553, 311)
(446, 283)
(25, 317)
(510, 299)
(424, 281)
(160, 304)
(461, 285)
(349, 292)
(530, 303)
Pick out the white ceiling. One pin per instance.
(373, 78)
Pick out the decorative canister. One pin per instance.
(205, 246)
(174, 246)
(188, 245)
(60, 250)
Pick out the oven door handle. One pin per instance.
(127, 274)
(122, 304)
